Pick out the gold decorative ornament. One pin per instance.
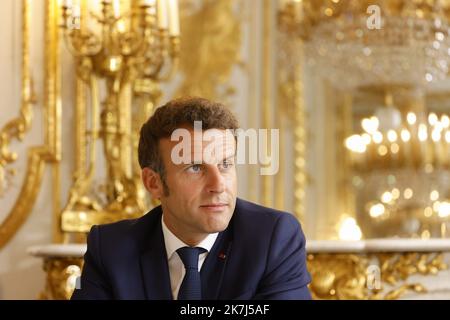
(18, 127)
(370, 276)
(291, 103)
(338, 276)
(62, 277)
(49, 151)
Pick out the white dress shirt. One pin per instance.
(176, 266)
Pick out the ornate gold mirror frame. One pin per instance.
(49, 151)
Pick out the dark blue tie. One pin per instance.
(191, 287)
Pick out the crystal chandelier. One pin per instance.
(410, 44)
(402, 180)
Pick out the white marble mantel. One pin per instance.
(58, 250)
(438, 286)
(312, 246)
(378, 245)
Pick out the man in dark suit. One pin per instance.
(202, 242)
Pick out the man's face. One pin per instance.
(202, 193)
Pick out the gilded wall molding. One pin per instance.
(16, 128)
(266, 187)
(291, 104)
(49, 151)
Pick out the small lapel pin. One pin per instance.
(222, 256)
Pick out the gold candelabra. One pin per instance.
(137, 48)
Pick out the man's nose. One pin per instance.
(216, 182)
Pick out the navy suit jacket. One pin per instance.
(260, 255)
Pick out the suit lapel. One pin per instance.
(214, 266)
(154, 266)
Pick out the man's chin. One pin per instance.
(218, 226)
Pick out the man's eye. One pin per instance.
(226, 165)
(194, 169)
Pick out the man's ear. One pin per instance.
(152, 182)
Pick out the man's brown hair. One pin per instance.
(176, 114)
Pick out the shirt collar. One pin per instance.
(173, 243)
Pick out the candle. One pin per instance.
(174, 26)
(162, 14)
(76, 11)
(149, 3)
(116, 8)
(121, 26)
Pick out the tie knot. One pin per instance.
(189, 256)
